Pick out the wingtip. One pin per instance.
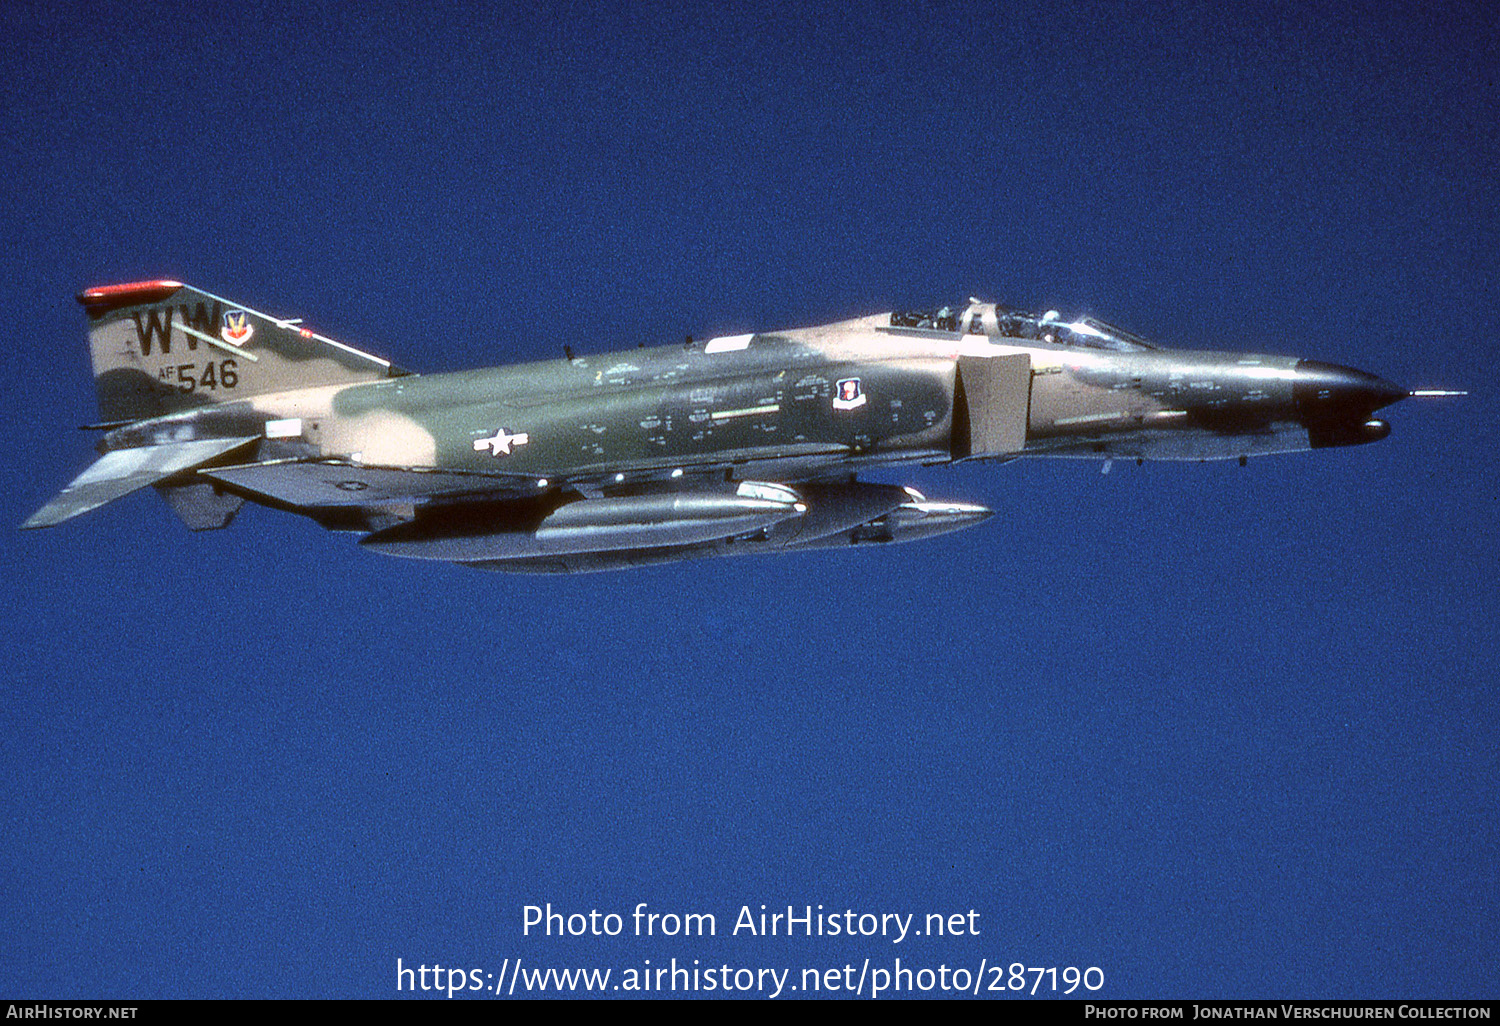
(41, 518)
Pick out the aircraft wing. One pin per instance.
(321, 483)
(123, 471)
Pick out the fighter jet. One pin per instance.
(735, 445)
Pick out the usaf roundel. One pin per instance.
(850, 395)
(236, 328)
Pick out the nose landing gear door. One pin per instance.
(991, 405)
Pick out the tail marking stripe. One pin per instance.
(282, 322)
(204, 336)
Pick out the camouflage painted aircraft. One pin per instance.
(735, 445)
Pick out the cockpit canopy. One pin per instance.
(996, 321)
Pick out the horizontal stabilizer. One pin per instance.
(121, 472)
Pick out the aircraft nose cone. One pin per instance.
(1334, 403)
(1327, 391)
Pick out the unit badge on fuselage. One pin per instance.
(850, 395)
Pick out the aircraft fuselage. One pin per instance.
(734, 445)
(775, 399)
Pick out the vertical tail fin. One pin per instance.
(160, 347)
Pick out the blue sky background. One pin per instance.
(1220, 732)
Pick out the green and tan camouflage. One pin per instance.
(736, 445)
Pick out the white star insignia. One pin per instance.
(501, 443)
